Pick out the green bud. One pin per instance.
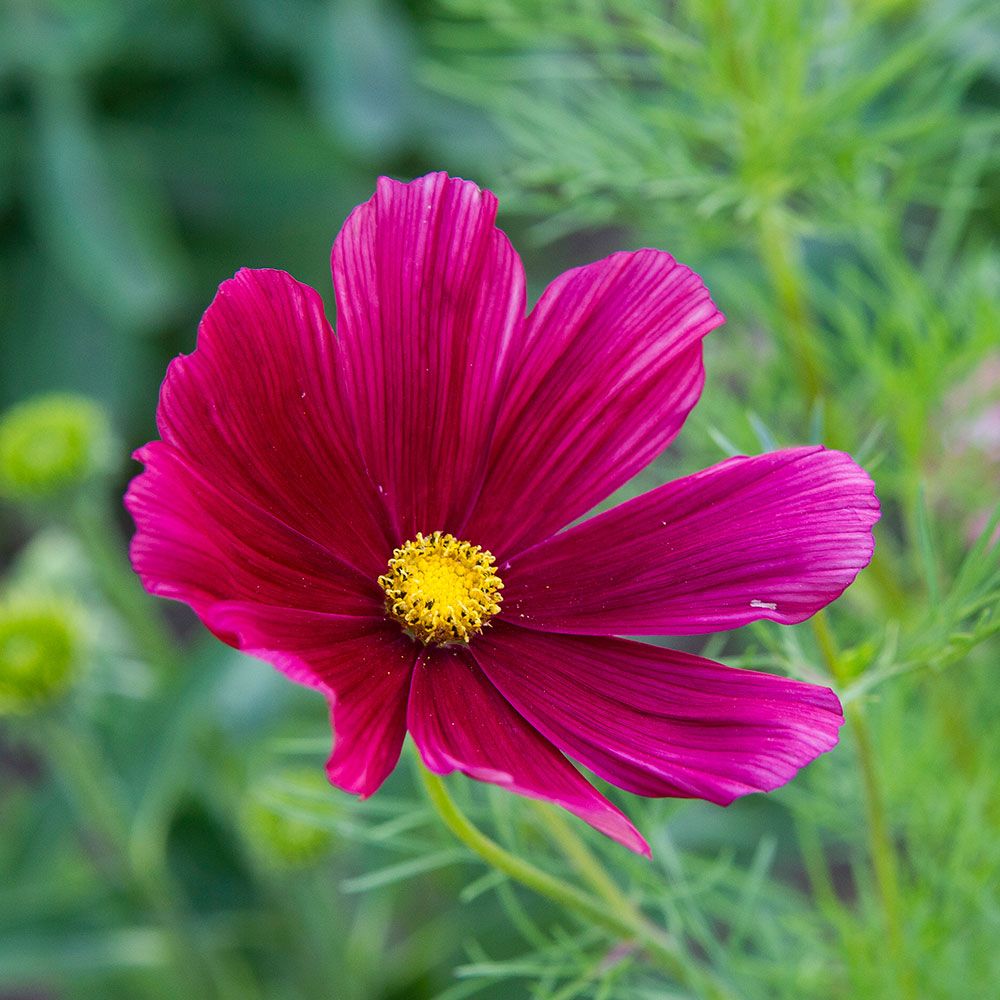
(274, 824)
(39, 652)
(52, 444)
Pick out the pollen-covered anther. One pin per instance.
(440, 589)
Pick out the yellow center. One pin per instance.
(441, 590)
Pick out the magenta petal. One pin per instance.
(778, 536)
(461, 723)
(430, 299)
(660, 722)
(259, 408)
(363, 666)
(610, 370)
(199, 542)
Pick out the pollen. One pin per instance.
(441, 590)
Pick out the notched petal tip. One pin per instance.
(430, 305)
(610, 369)
(659, 722)
(776, 536)
(822, 736)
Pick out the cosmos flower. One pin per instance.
(378, 514)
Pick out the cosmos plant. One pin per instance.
(381, 513)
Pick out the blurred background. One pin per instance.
(830, 168)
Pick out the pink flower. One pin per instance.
(377, 513)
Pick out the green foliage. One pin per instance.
(830, 167)
(150, 149)
(714, 118)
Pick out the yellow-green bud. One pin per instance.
(274, 824)
(39, 652)
(52, 444)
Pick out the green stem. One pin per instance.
(584, 861)
(886, 578)
(625, 925)
(828, 649)
(880, 845)
(780, 255)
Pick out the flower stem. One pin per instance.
(880, 845)
(583, 860)
(828, 649)
(628, 924)
(779, 253)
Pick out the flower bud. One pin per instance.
(39, 652)
(52, 444)
(273, 824)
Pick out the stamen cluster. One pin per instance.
(440, 589)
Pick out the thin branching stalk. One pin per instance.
(880, 845)
(779, 253)
(629, 925)
(583, 860)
